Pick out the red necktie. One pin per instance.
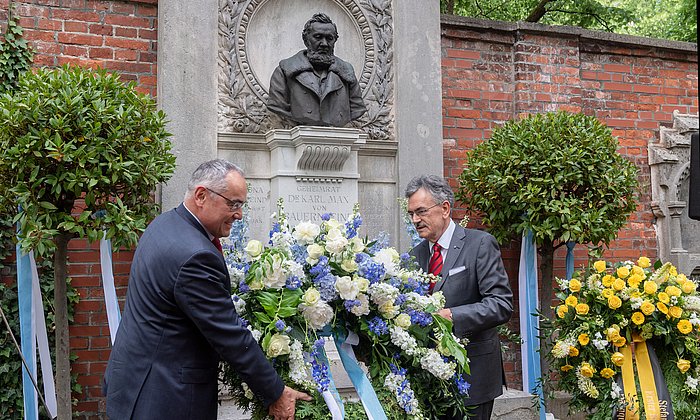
(217, 244)
(435, 266)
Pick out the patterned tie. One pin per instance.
(217, 244)
(435, 266)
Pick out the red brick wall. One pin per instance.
(119, 36)
(494, 71)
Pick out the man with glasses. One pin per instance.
(472, 278)
(179, 320)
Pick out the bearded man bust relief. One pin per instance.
(314, 87)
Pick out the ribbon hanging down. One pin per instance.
(655, 396)
(331, 395)
(33, 334)
(110, 293)
(529, 321)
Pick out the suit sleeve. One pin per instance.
(201, 294)
(496, 305)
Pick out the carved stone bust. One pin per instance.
(314, 87)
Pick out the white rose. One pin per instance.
(278, 346)
(356, 245)
(403, 321)
(254, 248)
(317, 315)
(315, 251)
(306, 232)
(388, 310)
(363, 308)
(276, 276)
(389, 257)
(335, 241)
(362, 283)
(347, 289)
(311, 296)
(349, 265)
(332, 224)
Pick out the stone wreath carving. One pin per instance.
(241, 99)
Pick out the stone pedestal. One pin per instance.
(314, 170)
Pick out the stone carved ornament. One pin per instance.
(241, 103)
(669, 160)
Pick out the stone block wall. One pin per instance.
(497, 71)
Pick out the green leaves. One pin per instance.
(557, 174)
(81, 152)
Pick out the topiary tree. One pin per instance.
(15, 53)
(81, 154)
(556, 174)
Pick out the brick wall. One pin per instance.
(496, 71)
(119, 36)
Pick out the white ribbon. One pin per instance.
(332, 405)
(42, 341)
(111, 303)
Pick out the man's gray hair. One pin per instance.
(435, 185)
(212, 174)
(317, 18)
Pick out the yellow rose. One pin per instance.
(637, 270)
(403, 321)
(650, 287)
(635, 294)
(562, 310)
(684, 326)
(618, 358)
(607, 293)
(662, 308)
(623, 272)
(644, 262)
(582, 309)
(619, 284)
(614, 302)
(675, 311)
(673, 291)
(673, 271)
(566, 368)
(311, 296)
(619, 341)
(574, 285)
(599, 266)
(689, 287)
(571, 300)
(573, 351)
(583, 339)
(254, 248)
(634, 280)
(608, 280)
(647, 308)
(362, 283)
(638, 318)
(607, 373)
(349, 265)
(663, 297)
(683, 365)
(586, 370)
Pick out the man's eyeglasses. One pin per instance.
(233, 205)
(421, 212)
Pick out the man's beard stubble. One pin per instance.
(319, 59)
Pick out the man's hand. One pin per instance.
(445, 313)
(283, 408)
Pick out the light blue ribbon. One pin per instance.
(362, 385)
(24, 295)
(532, 320)
(570, 259)
(326, 332)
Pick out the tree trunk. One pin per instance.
(450, 7)
(63, 386)
(538, 12)
(545, 297)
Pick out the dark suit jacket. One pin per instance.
(477, 290)
(178, 322)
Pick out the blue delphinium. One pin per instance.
(299, 253)
(243, 287)
(462, 384)
(326, 216)
(319, 369)
(378, 326)
(280, 325)
(420, 318)
(380, 242)
(369, 269)
(352, 225)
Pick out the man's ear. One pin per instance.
(200, 195)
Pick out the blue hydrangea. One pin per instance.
(326, 286)
(243, 287)
(371, 270)
(380, 242)
(420, 318)
(321, 268)
(293, 283)
(349, 304)
(378, 326)
(400, 299)
(299, 253)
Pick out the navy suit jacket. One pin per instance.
(178, 323)
(478, 293)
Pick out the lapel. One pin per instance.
(423, 254)
(333, 83)
(310, 81)
(456, 245)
